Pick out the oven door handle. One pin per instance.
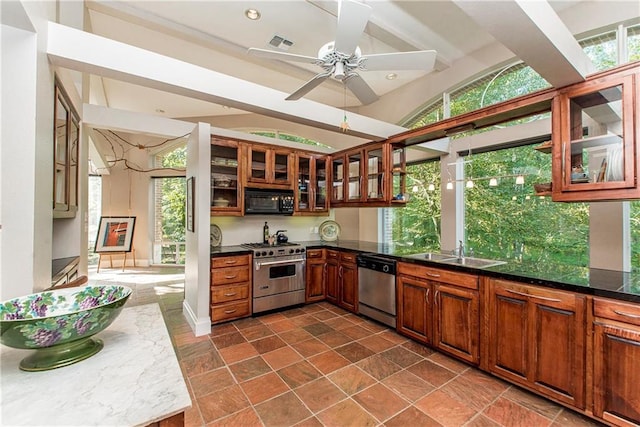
(287, 261)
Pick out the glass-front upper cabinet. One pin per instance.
(269, 166)
(337, 179)
(311, 193)
(398, 174)
(376, 169)
(66, 139)
(226, 194)
(594, 141)
(354, 168)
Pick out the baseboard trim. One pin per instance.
(200, 326)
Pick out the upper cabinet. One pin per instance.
(66, 137)
(226, 176)
(311, 186)
(371, 175)
(594, 139)
(269, 166)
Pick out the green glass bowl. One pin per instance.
(58, 324)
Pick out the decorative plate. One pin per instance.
(216, 236)
(329, 231)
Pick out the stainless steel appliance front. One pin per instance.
(377, 288)
(278, 280)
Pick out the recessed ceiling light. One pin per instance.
(252, 14)
(391, 76)
(159, 110)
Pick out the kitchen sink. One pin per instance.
(454, 260)
(433, 256)
(473, 262)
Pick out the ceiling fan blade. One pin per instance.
(418, 60)
(361, 89)
(352, 18)
(283, 56)
(308, 86)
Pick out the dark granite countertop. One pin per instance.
(592, 281)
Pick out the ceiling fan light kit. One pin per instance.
(342, 58)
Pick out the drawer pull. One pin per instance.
(426, 296)
(433, 274)
(622, 313)
(231, 277)
(231, 261)
(532, 296)
(230, 311)
(231, 294)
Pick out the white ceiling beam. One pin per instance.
(534, 33)
(81, 51)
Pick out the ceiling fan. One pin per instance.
(342, 58)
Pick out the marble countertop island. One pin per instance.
(134, 380)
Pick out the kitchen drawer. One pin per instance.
(348, 257)
(230, 311)
(225, 276)
(435, 274)
(616, 310)
(315, 253)
(220, 294)
(230, 261)
(333, 254)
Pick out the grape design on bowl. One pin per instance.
(59, 323)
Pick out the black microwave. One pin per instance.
(268, 201)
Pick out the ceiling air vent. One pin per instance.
(280, 42)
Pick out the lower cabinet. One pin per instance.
(616, 362)
(230, 288)
(316, 274)
(440, 308)
(536, 338)
(342, 280)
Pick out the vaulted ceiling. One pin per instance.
(469, 37)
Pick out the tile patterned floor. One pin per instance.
(320, 365)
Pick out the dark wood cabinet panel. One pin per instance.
(414, 314)
(333, 264)
(537, 339)
(316, 275)
(615, 364)
(457, 322)
(349, 286)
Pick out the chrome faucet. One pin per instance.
(460, 250)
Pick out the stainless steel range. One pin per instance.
(279, 276)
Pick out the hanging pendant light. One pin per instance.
(449, 185)
(431, 187)
(493, 182)
(469, 184)
(519, 180)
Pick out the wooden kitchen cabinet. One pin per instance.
(370, 175)
(616, 354)
(311, 186)
(414, 307)
(440, 308)
(230, 288)
(536, 338)
(268, 166)
(342, 280)
(595, 133)
(226, 176)
(66, 138)
(316, 275)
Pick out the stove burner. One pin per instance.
(263, 250)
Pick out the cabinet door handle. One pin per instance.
(340, 272)
(433, 274)
(231, 277)
(230, 311)
(532, 296)
(231, 261)
(426, 296)
(435, 297)
(622, 313)
(231, 294)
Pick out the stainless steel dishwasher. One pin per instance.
(377, 288)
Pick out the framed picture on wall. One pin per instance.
(115, 234)
(190, 202)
